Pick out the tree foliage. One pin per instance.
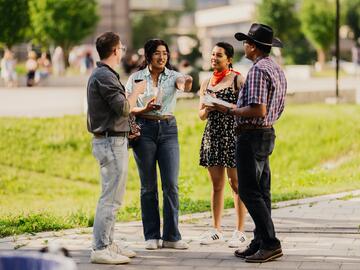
(282, 16)
(318, 24)
(189, 5)
(147, 25)
(352, 18)
(14, 21)
(64, 22)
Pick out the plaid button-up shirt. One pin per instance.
(265, 84)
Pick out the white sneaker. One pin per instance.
(107, 256)
(152, 244)
(212, 236)
(181, 244)
(120, 249)
(238, 239)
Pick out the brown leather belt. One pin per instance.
(247, 127)
(156, 117)
(111, 134)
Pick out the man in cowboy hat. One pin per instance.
(260, 104)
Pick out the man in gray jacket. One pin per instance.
(108, 121)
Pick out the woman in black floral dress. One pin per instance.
(217, 152)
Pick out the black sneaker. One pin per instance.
(242, 253)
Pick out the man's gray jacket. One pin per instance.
(108, 108)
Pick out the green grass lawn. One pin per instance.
(49, 179)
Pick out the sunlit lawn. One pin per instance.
(46, 166)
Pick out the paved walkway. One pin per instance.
(316, 233)
(65, 99)
(46, 101)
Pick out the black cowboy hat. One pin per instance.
(261, 34)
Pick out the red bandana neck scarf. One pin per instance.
(218, 76)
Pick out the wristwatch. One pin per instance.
(228, 111)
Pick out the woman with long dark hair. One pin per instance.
(158, 143)
(217, 152)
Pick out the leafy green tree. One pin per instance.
(318, 24)
(63, 22)
(189, 5)
(352, 18)
(152, 24)
(282, 16)
(14, 21)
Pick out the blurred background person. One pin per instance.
(44, 68)
(31, 66)
(74, 58)
(58, 61)
(86, 63)
(89, 62)
(131, 62)
(8, 72)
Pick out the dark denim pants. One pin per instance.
(158, 144)
(253, 149)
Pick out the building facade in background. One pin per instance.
(141, 5)
(114, 16)
(206, 4)
(213, 21)
(220, 23)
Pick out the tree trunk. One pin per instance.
(320, 59)
(66, 57)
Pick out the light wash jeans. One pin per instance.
(112, 155)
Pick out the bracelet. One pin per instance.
(228, 111)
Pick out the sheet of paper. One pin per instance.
(208, 99)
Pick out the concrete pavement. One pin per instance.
(316, 233)
(64, 100)
(42, 101)
(45, 101)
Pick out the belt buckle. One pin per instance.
(243, 127)
(103, 135)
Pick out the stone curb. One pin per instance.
(183, 218)
(279, 204)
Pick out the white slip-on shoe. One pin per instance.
(107, 256)
(120, 249)
(181, 244)
(237, 240)
(210, 237)
(152, 244)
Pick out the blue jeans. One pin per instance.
(158, 143)
(112, 155)
(254, 177)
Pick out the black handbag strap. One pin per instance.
(235, 83)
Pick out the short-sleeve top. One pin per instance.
(166, 84)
